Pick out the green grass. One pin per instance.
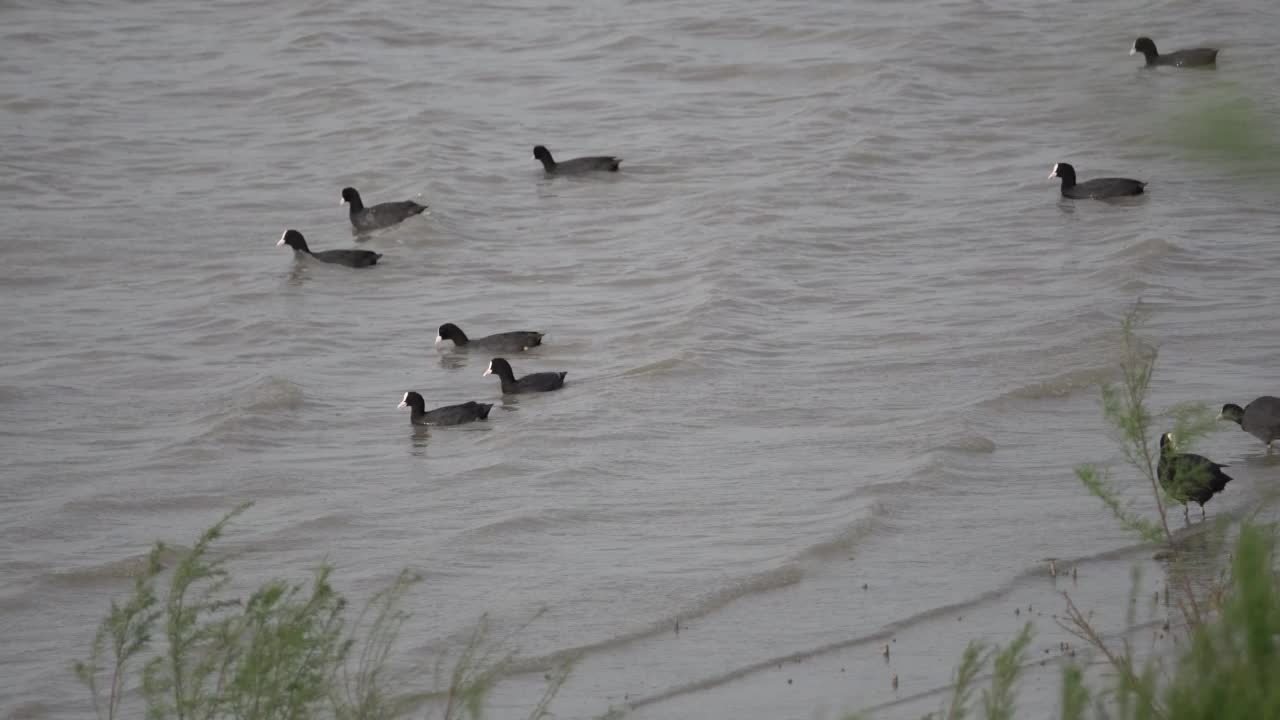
(287, 651)
(1228, 670)
(1229, 666)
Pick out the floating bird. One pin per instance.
(515, 341)
(447, 415)
(378, 216)
(534, 382)
(1194, 57)
(350, 258)
(1098, 188)
(576, 165)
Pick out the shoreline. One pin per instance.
(852, 675)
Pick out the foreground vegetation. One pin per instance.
(287, 651)
(1228, 668)
(195, 651)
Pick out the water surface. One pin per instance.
(829, 327)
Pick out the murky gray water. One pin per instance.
(830, 325)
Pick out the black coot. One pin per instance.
(1194, 57)
(1098, 188)
(1260, 418)
(534, 382)
(515, 341)
(350, 258)
(1187, 476)
(576, 165)
(378, 216)
(447, 415)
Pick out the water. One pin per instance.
(829, 327)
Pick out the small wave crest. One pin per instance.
(243, 409)
(843, 542)
(657, 367)
(786, 575)
(881, 635)
(969, 444)
(89, 577)
(1149, 249)
(1062, 385)
(767, 581)
(270, 394)
(526, 522)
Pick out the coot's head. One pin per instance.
(449, 331)
(1064, 171)
(1168, 443)
(293, 239)
(501, 368)
(1145, 46)
(1232, 412)
(412, 400)
(352, 198)
(541, 153)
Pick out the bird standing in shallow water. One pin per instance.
(1260, 418)
(1188, 477)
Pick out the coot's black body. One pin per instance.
(534, 382)
(577, 165)
(1188, 477)
(447, 415)
(1193, 57)
(1260, 418)
(350, 258)
(514, 341)
(1098, 188)
(378, 216)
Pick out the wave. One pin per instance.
(1061, 386)
(103, 575)
(844, 541)
(1149, 249)
(10, 393)
(768, 581)
(271, 394)
(969, 444)
(548, 520)
(789, 573)
(658, 367)
(884, 634)
(243, 409)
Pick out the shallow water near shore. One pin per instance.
(829, 327)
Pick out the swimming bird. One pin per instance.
(576, 165)
(1187, 476)
(350, 258)
(514, 341)
(1194, 57)
(378, 216)
(1260, 418)
(1098, 188)
(533, 382)
(447, 415)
